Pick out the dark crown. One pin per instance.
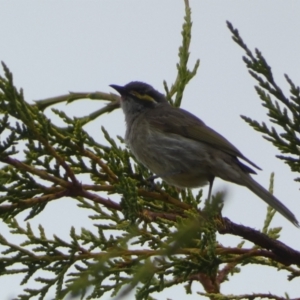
(145, 89)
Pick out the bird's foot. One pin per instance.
(151, 183)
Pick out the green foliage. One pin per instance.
(284, 111)
(152, 238)
(184, 75)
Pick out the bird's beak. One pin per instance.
(120, 89)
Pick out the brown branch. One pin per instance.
(276, 250)
(113, 177)
(98, 199)
(40, 173)
(82, 256)
(207, 282)
(246, 296)
(106, 109)
(118, 252)
(153, 216)
(284, 254)
(72, 96)
(59, 159)
(93, 96)
(159, 195)
(27, 203)
(72, 191)
(222, 274)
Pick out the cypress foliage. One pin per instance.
(147, 238)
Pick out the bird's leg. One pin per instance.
(211, 181)
(152, 178)
(151, 181)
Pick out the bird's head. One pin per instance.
(137, 97)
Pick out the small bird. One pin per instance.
(178, 147)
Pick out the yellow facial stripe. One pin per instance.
(142, 97)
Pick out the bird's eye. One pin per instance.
(143, 97)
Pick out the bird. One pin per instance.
(181, 149)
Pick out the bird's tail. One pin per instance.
(265, 195)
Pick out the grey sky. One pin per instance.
(59, 46)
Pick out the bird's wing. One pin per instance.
(186, 124)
